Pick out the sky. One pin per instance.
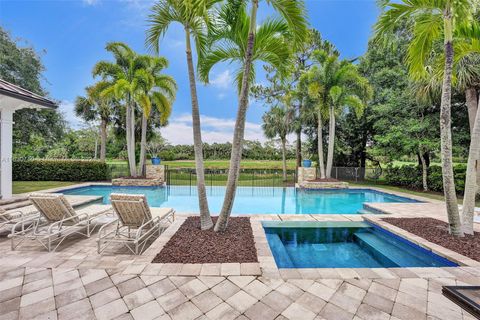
(70, 36)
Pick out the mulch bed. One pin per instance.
(324, 180)
(436, 231)
(192, 245)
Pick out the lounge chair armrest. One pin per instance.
(60, 222)
(103, 228)
(140, 229)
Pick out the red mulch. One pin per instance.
(436, 231)
(324, 180)
(192, 245)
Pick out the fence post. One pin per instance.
(190, 178)
(253, 178)
(336, 173)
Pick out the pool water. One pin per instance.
(344, 245)
(252, 200)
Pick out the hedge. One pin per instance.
(410, 176)
(60, 170)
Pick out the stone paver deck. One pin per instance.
(77, 283)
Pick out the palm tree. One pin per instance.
(95, 107)
(193, 15)
(293, 13)
(278, 122)
(434, 20)
(336, 85)
(126, 76)
(159, 91)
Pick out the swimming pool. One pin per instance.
(252, 200)
(344, 245)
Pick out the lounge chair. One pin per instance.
(10, 218)
(136, 223)
(57, 220)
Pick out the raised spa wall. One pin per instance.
(155, 176)
(306, 177)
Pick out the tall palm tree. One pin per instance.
(337, 85)
(468, 78)
(159, 91)
(434, 21)
(293, 13)
(94, 106)
(126, 76)
(193, 15)
(278, 122)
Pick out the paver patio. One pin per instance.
(77, 283)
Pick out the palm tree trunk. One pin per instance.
(237, 144)
(298, 149)
(205, 218)
(284, 159)
(143, 145)
(472, 106)
(130, 128)
(468, 210)
(103, 139)
(331, 142)
(424, 169)
(472, 102)
(446, 133)
(321, 162)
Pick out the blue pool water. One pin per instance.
(344, 245)
(252, 200)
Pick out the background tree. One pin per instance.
(22, 66)
(159, 91)
(278, 122)
(126, 77)
(95, 107)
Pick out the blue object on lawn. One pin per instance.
(156, 161)
(307, 163)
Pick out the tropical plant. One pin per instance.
(127, 77)
(278, 122)
(433, 21)
(193, 15)
(159, 91)
(94, 106)
(246, 43)
(337, 85)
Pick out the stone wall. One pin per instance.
(137, 182)
(156, 172)
(306, 174)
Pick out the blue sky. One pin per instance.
(71, 37)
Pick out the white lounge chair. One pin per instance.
(136, 223)
(10, 218)
(57, 220)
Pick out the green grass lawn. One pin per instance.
(220, 164)
(428, 194)
(30, 186)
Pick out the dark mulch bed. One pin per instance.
(324, 180)
(192, 245)
(436, 231)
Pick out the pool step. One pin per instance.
(387, 251)
(282, 258)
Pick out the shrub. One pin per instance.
(410, 176)
(60, 170)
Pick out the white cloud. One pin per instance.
(67, 108)
(179, 130)
(222, 80)
(90, 2)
